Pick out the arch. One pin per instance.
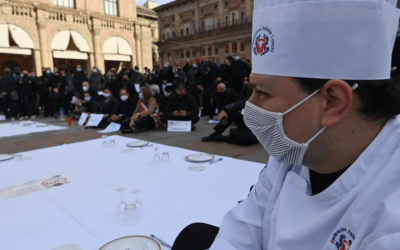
(19, 36)
(61, 40)
(117, 48)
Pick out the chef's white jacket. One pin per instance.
(360, 210)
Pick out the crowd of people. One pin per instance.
(139, 101)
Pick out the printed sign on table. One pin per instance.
(34, 186)
(179, 126)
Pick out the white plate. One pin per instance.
(136, 242)
(27, 158)
(68, 247)
(196, 168)
(200, 157)
(137, 143)
(4, 157)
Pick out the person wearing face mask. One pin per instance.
(146, 114)
(86, 88)
(180, 75)
(128, 85)
(109, 106)
(79, 77)
(181, 106)
(33, 98)
(168, 91)
(166, 74)
(329, 123)
(90, 104)
(213, 73)
(137, 77)
(97, 80)
(126, 107)
(228, 104)
(122, 72)
(239, 70)
(44, 83)
(198, 85)
(59, 94)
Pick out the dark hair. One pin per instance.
(106, 87)
(180, 86)
(380, 98)
(7, 71)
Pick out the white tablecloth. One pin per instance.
(83, 212)
(9, 129)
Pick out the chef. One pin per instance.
(325, 109)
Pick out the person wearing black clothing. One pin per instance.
(33, 82)
(213, 72)
(198, 86)
(239, 70)
(59, 94)
(91, 105)
(125, 83)
(229, 112)
(97, 80)
(24, 92)
(109, 106)
(122, 72)
(5, 89)
(86, 88)
(181, 107)
(166, 74)
(112, 83)
(137, 77)
(163, 100)
(126, 107)
(79, 77)
(43, 87)
(226, 71)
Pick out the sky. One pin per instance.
(159, 2)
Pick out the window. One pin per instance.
(187, 31)
(187, 54)
(209, 50)
(167, 35)
(203, 53)
(234, 47)
(182, 56)
(226, 4)
(216, 6)
(181, 31)
(226, 20)
(226, 47)
(194, 53)
(64, 3)
(242, 46)
(173, 34)
(169, 57)
(163, 36)
(216, 51)
(233, 18)
(242, 17)
(110, 7)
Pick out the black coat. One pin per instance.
(22, 86)
(78, 79)
(220, 100)
(93, 106)
(166, 74)
(109, 105)
(44, 82)
(129, 86)
(186, 103)
(5, 83)
(127, 107)
(240, 70)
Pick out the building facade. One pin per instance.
(65, 33)
(206, 28)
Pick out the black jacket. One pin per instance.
(5, 83)
(127, 107)
(44, 82)
(186, 103)
(78, 79)
(129, 86)
(22, 86)
(166, 74)
(93, 106)
(109, 105)
(220, 100)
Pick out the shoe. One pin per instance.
(221, 138)
(33, 118)
(127, 131)
(211, 137)
(193, 128)
(136, 131)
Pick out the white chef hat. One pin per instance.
(325, 39)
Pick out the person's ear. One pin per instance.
(337, 97)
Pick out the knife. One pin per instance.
(161, 241)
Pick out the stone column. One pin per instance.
(42, 25)
(38, 61)
(97, 57)
(138, 39)
(221, 6)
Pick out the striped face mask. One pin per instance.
(267, 126)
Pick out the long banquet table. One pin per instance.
(83, 211)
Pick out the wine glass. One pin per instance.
(105, 142)
(137, 203)
(156, 157)
(112, 144)
(120, 213)
(165, 157)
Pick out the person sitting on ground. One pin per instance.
(109, 106)
(86, 88)
(168, 91)
(146, 115)
(181, 107)
(125, 109)
(90, 104)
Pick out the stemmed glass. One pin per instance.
(112, 144)
(156, 157)
(105, 142)
(138, 204)
(121, 205)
